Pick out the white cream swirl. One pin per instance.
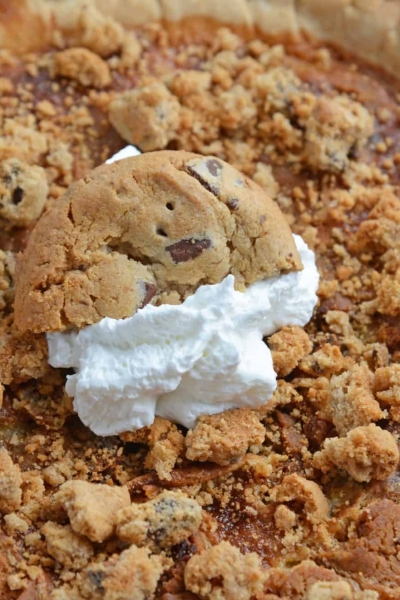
(201, 357)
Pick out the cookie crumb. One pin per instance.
(10, 483)
(352, 401)
(71, 550)
(288, 346)
(366, 453)
(223, 572)
(147, 117)
(83, 66)
(165, 521)
(224, 437)
(92, 507)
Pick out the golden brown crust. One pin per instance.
(151, 227)
(368, 27)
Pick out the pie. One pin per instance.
(299, 499)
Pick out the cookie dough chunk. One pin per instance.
(149, 228)
(92, 507)
(147, 117)
(23, 193)
(10, 484)
(223, 572)
(83, 66)
(167, 520)
(366, 453)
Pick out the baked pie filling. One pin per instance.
(297, 499)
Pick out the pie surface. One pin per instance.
(299, 500)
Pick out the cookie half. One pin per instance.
(152, 228)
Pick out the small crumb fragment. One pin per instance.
(387, 388)
(335, 127)
(23, 193)
(98, 32)
(225, 437)
(147, 117)
(10, 484)
(288, 346)
(295, 487)
(351, 399)
(223, 573)
(365, 453)
(132, 575)
(73, 551)
(167, 520)
(338, 590)
(285, 518)
(83, 66)
(92, 507)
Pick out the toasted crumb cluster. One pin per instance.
(298, 500)
(167, 520)
(222, 572)
(91, 508)
(23, 193)
(224, 437)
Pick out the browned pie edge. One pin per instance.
(369, 28)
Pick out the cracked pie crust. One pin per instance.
(298, 500)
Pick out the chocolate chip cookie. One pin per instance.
(146, 229)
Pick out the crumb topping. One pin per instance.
(297, 500)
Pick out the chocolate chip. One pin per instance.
(208, 186)
(233, 203)
(187, 249)
(96, 577)
(214, 166)
(150, 292)
(18, 194)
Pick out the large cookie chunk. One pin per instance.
(151, 228)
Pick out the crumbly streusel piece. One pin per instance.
(224, 437)
(338, 590)
(83, 66)
(23, 193)
(370, 555)
(147, 117)
(10, 483)
(70, 549)
(366, 453)
(132, 575)
(7, 268)
(92, 507)
(166, 444)
(335, 127)
(97, 32)
(295, 487)
(288, 346)
(223, 573)
(168, 519)
(294, 583)
(351, 399)
(387, 388)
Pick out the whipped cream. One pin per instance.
(126, 152)
(204, 356)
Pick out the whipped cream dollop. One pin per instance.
(126, 152)
(204, 356)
